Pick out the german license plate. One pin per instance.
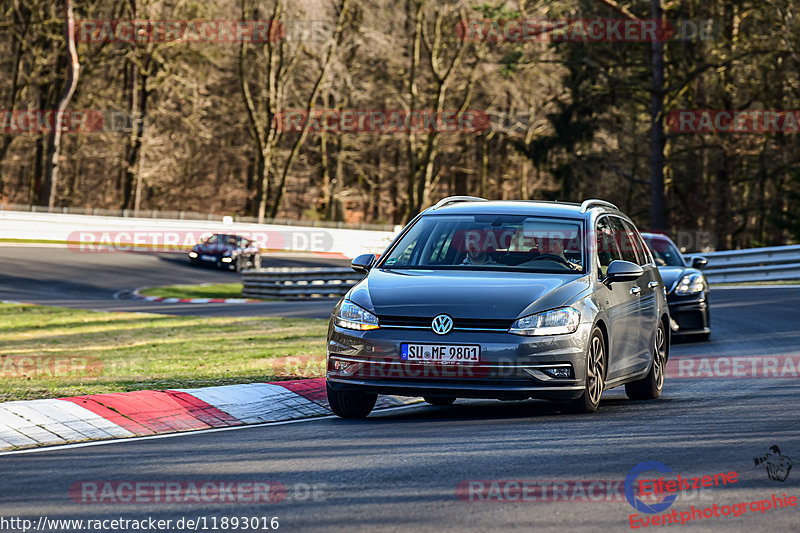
(208, 258)
(446, 354)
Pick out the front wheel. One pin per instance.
(595, 376)
(257, 261)
(649, 388)
(351, 404)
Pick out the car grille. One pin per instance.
(459, 324)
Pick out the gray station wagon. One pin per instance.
(502, 299)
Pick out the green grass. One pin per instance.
(49, 352)
(6, 240)
(207, 290)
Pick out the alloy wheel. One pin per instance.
(595, 370)
(659, 356)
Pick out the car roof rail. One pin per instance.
(588, 204)
(457, 199)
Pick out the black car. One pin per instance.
(506, 300)
(687, 289)
(233, 252)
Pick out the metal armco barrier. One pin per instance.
(777, 263)
(298, 283)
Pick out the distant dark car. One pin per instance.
(687, 289)
(233, 252)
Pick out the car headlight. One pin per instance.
(351, 316)
(553, 322)
(691, 284)
(192, 254)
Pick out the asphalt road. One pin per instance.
(399, 470)
(54, 275)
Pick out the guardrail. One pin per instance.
(82, 233)
(777, 263)
(192, 215)
(298, 283)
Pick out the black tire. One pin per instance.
(351, 404)
(439, 401)
(649, 387)
(596, 367)
(237, 265)
(257, 261)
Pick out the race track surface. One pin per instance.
(399, 470)
(55, 275)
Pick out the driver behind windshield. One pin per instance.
(477, 247)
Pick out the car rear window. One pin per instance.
(665, 253)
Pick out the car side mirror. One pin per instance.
(622, 271)
(699, 262)
(363, 263)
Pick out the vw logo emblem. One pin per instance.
(442, 324)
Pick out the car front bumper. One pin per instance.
(510, 367)
(689, 314)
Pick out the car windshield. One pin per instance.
(490, 242)
(222, 240)
(665, 252)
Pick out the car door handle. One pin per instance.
(653, 285)
(635, 291)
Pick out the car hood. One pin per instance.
(213, 248)
(671, 275)
(466, 294)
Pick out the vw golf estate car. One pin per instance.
(502, 299)
(687, 290)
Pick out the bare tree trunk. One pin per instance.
(35, 193)
(14, 93)
(137, 136)
(265, 135)
(73, 70)
(326, 65)
(413, 97)
(326, 176)
(658, 202)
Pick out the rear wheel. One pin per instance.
(649, 388)
(439, 401)
(595, 376)
(257, 261)
(351, 404)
